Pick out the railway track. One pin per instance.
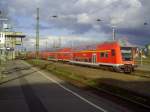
(130, 100)
(144, 74)
(141, 75)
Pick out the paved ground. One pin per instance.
(27, 89)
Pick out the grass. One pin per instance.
(2, 67)
(117, 83)
(144, 68)
(145, 61)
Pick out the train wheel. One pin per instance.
(117, 69)
(128, 69)
(133, 69)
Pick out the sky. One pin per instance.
(76, 20)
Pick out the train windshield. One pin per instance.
(126, 53)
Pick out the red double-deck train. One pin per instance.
(106, 55)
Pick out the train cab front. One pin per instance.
(127, 59)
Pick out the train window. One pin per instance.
(106, 54)
(90, 60)
(86, 60)
(65, 54)
(126, 53)
(113, 52)
(102, 54)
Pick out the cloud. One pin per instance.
(83, 19)
(79, 17)
(62, 41)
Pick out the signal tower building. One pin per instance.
(8, 43)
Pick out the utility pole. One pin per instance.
(46, 45)
(113, 29)
(37, 35)
(141, 58)
(114, 33)
(59, 43)
(54, 44)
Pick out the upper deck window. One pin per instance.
(104, 54)
(113, 52)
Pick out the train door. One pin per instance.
(94, 58)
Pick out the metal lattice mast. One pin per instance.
(37, 35)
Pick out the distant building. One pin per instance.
(148, 49)
(2, 38)
(8, 43)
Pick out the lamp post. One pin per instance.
(46, 45)
(141, 50)
(58, 44)
(37, 35)
(113, 30)
(141, 57)
(114, 33)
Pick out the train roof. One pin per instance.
(94, 46)
(65, 50)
